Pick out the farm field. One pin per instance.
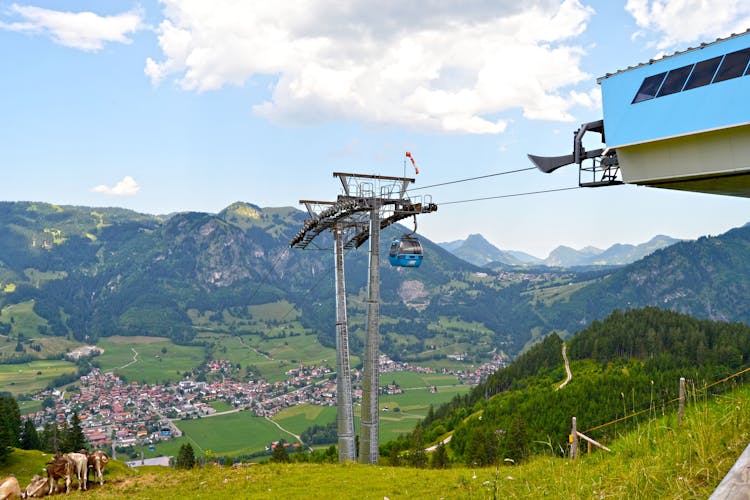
(243, 433)
(299, 418)
(405, 410)
(232, 434)
(272, 357)
(142, 358)
(33, 376)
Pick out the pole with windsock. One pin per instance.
(408, 155)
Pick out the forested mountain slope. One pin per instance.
(630, 363)
(94, 272)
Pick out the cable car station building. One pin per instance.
(679, 122)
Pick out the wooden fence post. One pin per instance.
(574, 441)
(681, 410)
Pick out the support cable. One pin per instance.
(474, 178)
(268, 273)
(510, 195)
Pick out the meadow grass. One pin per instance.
(220, 405)
(31, 377)
(25, 319)
(408, 380)
(298, 418)
(658, 459)
(151, 365)
(231, 434)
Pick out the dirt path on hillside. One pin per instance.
(135, 359)
(302, 443)
(567, 368)
(256, 350)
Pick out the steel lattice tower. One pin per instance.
(368, 204)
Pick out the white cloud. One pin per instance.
(677, 22)
(126, 187)
(81, 30)
(443, 66)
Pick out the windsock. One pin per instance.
(408, 155)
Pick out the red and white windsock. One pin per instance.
(408, 155)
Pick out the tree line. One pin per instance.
(22, 433)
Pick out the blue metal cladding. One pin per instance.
(405, 252)
(679, 95)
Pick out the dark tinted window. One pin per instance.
(410, 246)
(649, 88)
(703, 73)
(734, 65)
(675, 80)
(394, 249)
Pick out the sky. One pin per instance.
(187, 105)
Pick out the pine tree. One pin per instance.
(76, 439)
(417, 455)
(10, 425)
(279, 453)
(439, 458)
(29, 436)
(185, 457)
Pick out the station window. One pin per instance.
(733, 66)
(649, 87)
(703, 73)
(716, 69)
(675, 80)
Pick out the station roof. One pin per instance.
(674, 54)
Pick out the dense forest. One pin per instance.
(630, 363)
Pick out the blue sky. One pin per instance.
(185, 105)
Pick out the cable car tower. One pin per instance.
(368, 204)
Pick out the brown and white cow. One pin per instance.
(79, 466)
(9, 488)
(59, 468)
(37, 488)
(97, 461)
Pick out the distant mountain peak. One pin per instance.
(241, 209)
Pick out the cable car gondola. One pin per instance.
(406, 252)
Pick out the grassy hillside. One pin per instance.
(658, 459)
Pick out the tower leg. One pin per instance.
(368, 442)
(344, 411)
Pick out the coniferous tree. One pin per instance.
(185, 457)
(29, 436)
(439, 459)
(76, 439)
(417, 455)
(279, 453)
(63, 438)
(10, 425)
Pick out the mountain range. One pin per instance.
(476, 250)
(95, 272)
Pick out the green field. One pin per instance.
(299, 418)
(407, 409)
(220, 406)
(33, 376)
(272, 357)
(22, 318)
(151, 365)
(408, 380)
(232, 434)
(242, 433)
